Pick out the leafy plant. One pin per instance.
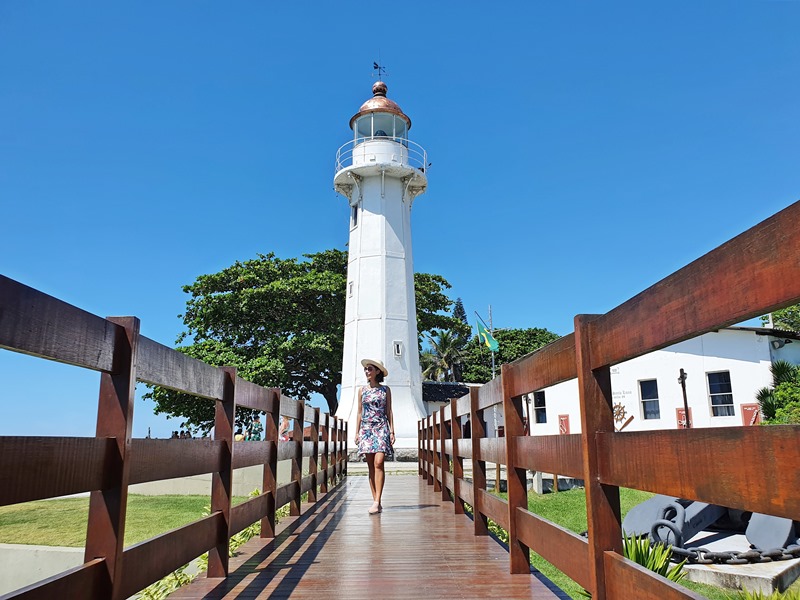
(655, 557)
(780, 405)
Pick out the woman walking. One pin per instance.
(375, 427)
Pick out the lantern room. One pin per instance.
(380, 117)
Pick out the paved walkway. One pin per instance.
(416, 548)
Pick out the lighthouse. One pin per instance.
(380, 172)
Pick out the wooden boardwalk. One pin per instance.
(338, 550)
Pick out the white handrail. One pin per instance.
(411, 154)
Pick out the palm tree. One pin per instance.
(431, 368)
(446, 351)
(782, 372)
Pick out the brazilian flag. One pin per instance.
(487, 338)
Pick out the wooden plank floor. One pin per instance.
(411, 550)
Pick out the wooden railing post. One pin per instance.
(335, 448)
(429, 452)
(517, 478)
(107, 508)
(297, 462)
(346, 452)
(270, 478)
(222, 480)
(313, 460)
(458, 461)
(478, 432)
(419, 447)
(597, 415)
(444, 435)
(325, 425)
(437, 457)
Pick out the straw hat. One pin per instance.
(375, 363)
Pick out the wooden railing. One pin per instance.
(749, 468)
(34, 468)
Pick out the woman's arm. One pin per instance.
(389, 413)
(358, 415)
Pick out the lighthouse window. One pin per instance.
(353, 217)
(399, 127)
(383, 125)
(364, 127)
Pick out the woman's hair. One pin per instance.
(379, 375)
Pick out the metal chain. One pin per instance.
(703, 556)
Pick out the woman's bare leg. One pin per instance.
(380, 477)
(371, 468)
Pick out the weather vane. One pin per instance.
(379, 71)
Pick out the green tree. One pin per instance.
(514, 344)
(281, 323)
(780, 404)
(432, 303)
(785, 319)
(462, 337)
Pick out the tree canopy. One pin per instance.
(786, 319)
(281, 323)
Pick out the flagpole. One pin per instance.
(491, 331)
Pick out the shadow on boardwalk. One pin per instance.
(417, 548)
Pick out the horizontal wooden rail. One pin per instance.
(626, 579)
(568, 551)
(726, 465)
(34, 468)
(161, 365)
(159, 556)
(34, 323)
(550, 454)
(88, 581)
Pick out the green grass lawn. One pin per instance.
(62, 522)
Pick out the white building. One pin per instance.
(725, 369)
(381, 171)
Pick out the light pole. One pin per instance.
(682, 381)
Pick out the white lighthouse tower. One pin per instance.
(380, 172)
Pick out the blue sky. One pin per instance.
(581, 151)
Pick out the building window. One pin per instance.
(721, 393)
(354, 216)
(648, 390)
(350, 289)
(539, 408)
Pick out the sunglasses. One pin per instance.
(370, 368)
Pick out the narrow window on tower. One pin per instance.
(354, 216)
(350, 289)
(398, 348)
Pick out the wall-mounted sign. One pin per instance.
(563, 424)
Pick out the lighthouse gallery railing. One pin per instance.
(381, 150)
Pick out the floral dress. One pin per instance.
(374, 435)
